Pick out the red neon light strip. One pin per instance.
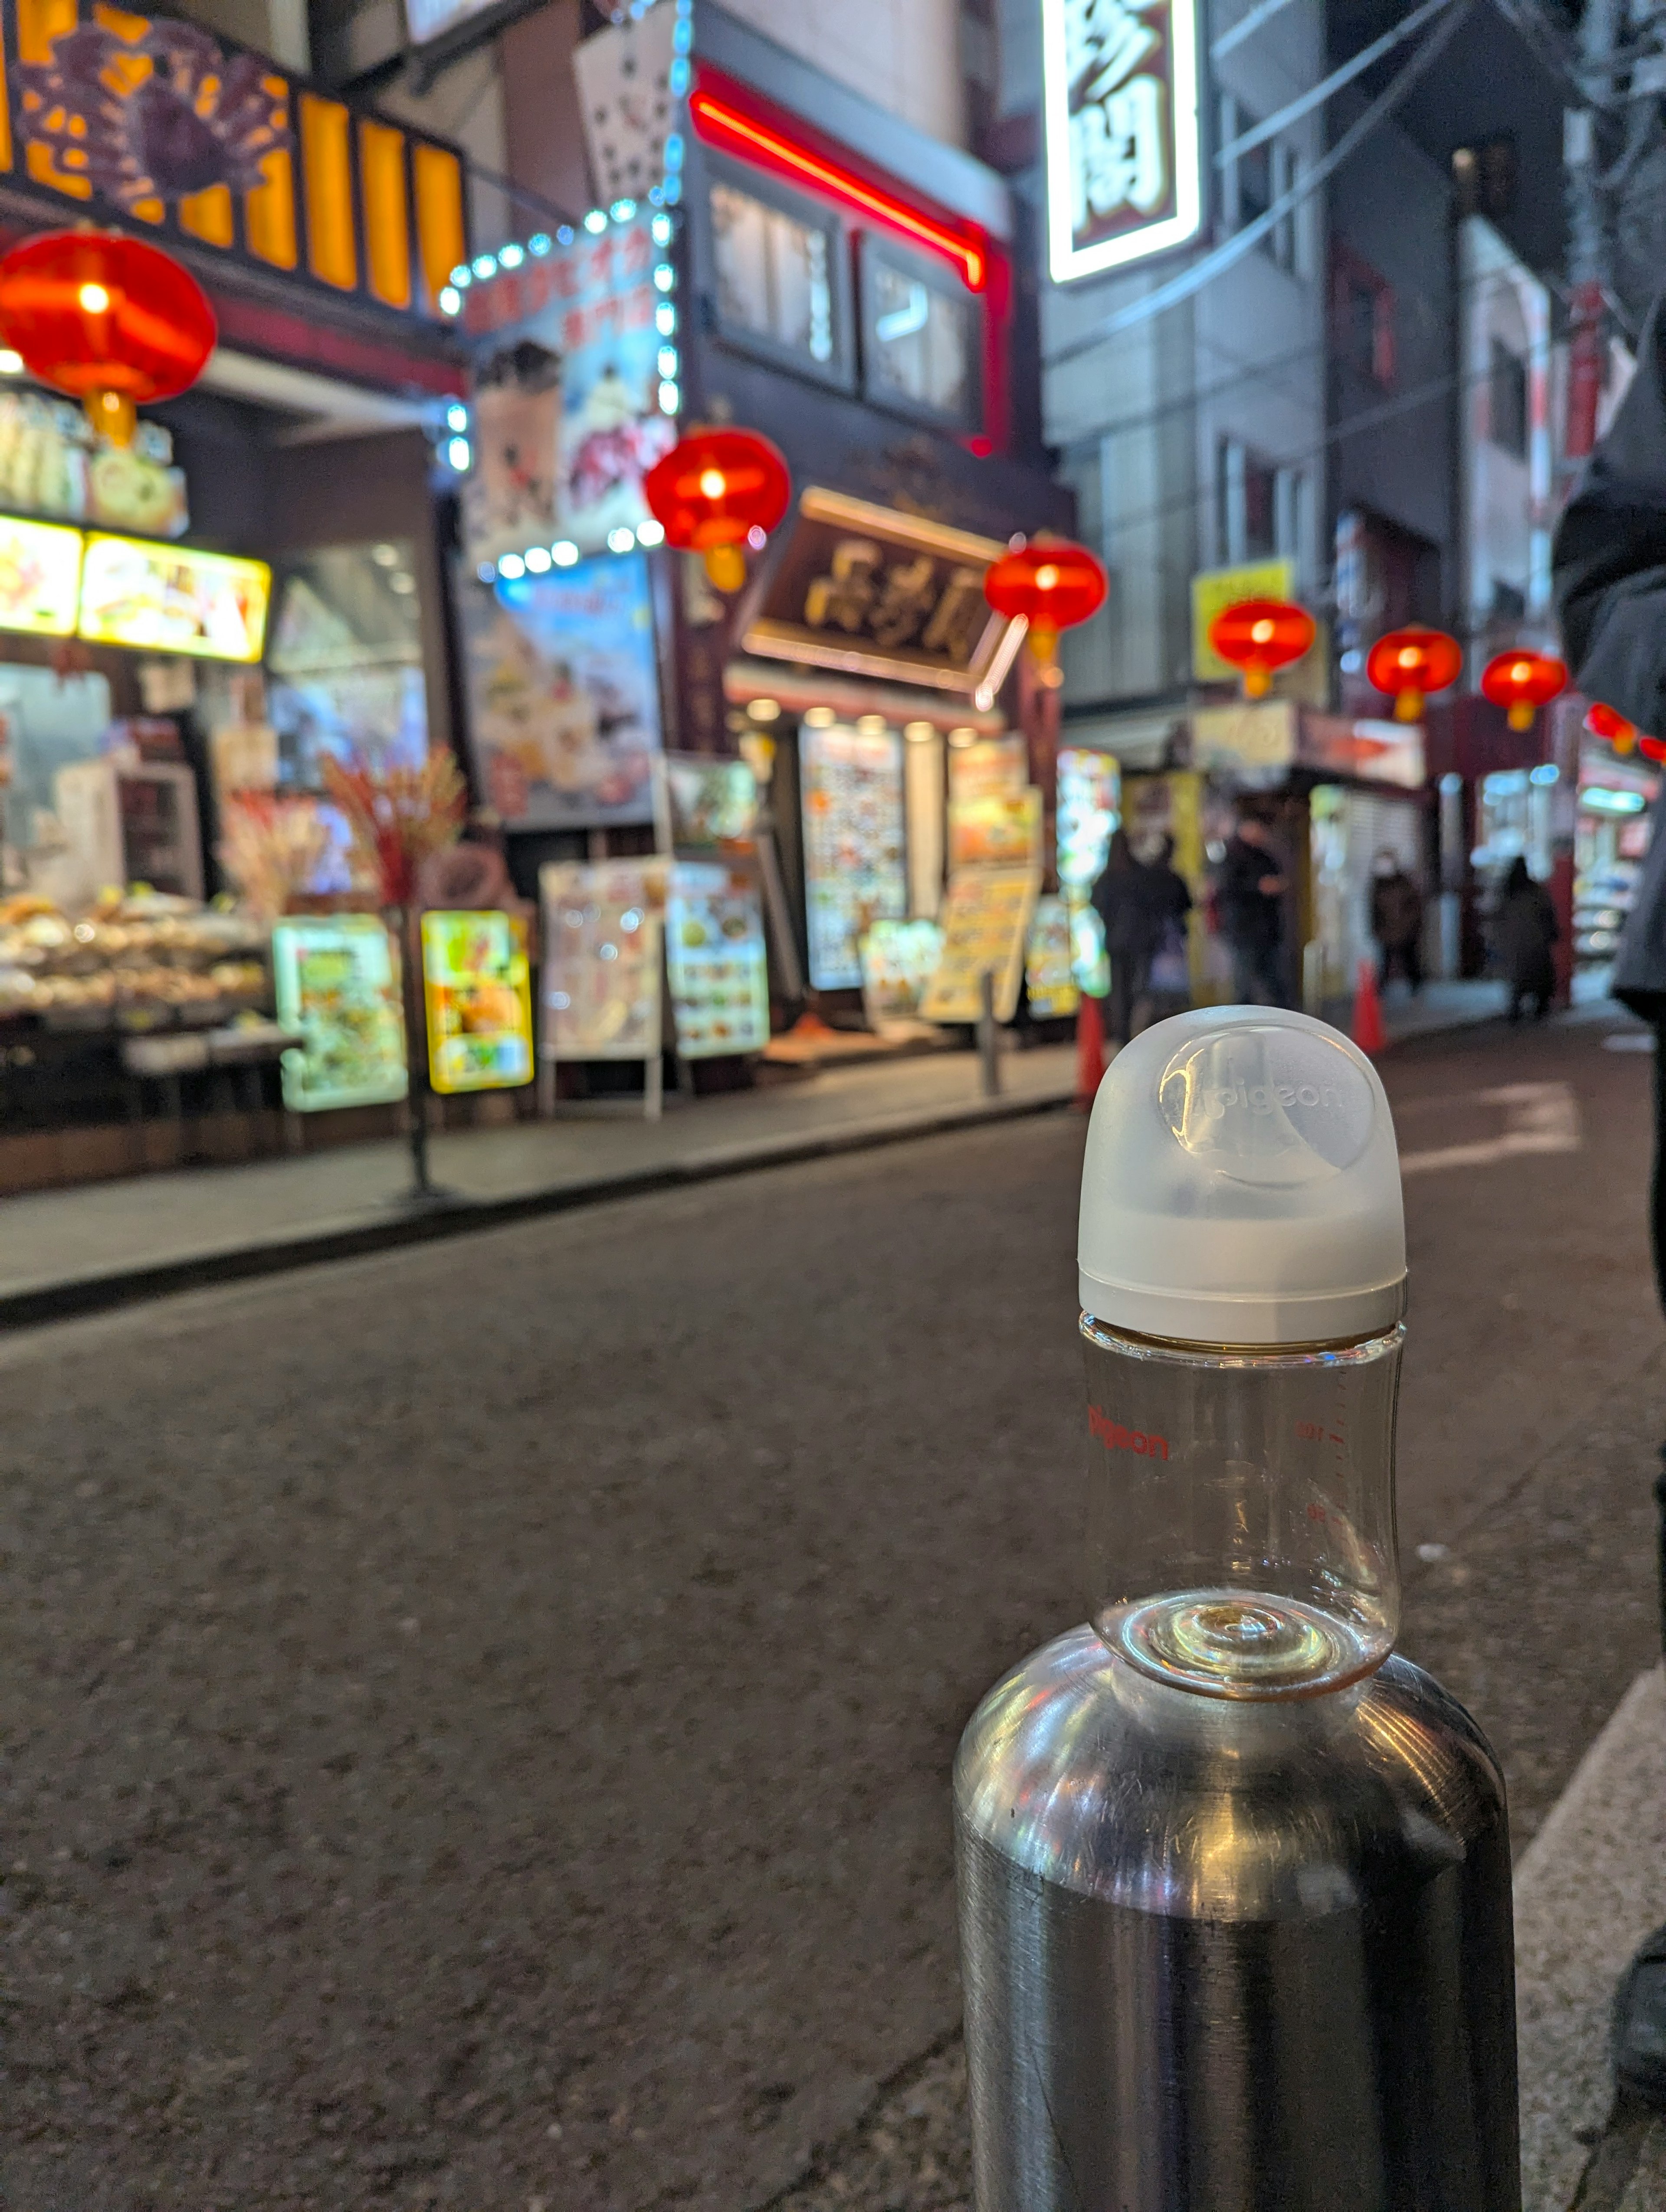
(718, 122)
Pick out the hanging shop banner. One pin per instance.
(1250, 737)
(715, 954)
(1120, 92)
(163, 600)
(603, 958)
(564, 694)
(569, 421)
(53, 462)
(337, 982)
(1375, 752)
(1004, 832)
(854, 875)
(39, 577)
(994, 768)
(873, 592)
(899, 959)
(1049, 978)
(479, 1002)
(986, 930)
(711, 805)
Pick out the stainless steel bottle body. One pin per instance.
(1230, 1956)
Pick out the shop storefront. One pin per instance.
(191, 625)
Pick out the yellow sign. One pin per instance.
(1214, 590)
(39, 576)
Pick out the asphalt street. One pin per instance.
(478, 1720)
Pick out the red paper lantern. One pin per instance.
(1523, 681)
(712, 491)
(1609, 724)
(1052, 584)
(1411, 662)
(112, 321)
(1261, 635)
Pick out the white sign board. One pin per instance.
(1120, 92)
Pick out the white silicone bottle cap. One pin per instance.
(1241, 1185)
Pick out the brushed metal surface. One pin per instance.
(1229, 1957)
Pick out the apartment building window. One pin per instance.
(1484, 177)
(919, 337)
(781, 288)
(1254, 180)
(1259, 505)
(1362, 317)
(1506, 400)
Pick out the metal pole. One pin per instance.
(988, 1039)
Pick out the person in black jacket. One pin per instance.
(1610, 576)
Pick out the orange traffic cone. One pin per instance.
(1090, 1051)
(1368, 1031)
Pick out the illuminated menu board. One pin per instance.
(39, 577)
(479, 1005)
(164, 600)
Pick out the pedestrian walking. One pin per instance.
(1396, 922)
(1121, 898)
(1523, 930)
(1169, 977)
(1252, 886)
(1610, 576)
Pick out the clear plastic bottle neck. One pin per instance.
(1242, 1516)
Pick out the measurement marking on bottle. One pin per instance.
(1114, 1437)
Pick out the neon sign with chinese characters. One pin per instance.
(1122, 163)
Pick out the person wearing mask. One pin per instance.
(1610, 563)
(1252, 886)
(1121, 898)
(1524, 930)
(1396, 922)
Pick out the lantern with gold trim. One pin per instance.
(1523, 682)
(112, 321)
(716, 493)
(1410, 663)
(1261, 636)
(1052, 585)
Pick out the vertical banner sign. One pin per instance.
(1122, 157)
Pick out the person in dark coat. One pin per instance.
(1524, 930)
(1396, 922)
(1121, 898)
(1610, 562)
(1252, 885)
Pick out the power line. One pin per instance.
(1305, 102)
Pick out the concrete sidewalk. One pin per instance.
(104, 1244)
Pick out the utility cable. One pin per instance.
(1318, 95)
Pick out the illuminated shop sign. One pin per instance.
(39, 577)
(164, 600)
(1122, 96)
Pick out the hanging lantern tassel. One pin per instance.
(1522, 683)
(716, 493)
(1408, 664)
(1260, 636)
(112, 321)
(1050, 584)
